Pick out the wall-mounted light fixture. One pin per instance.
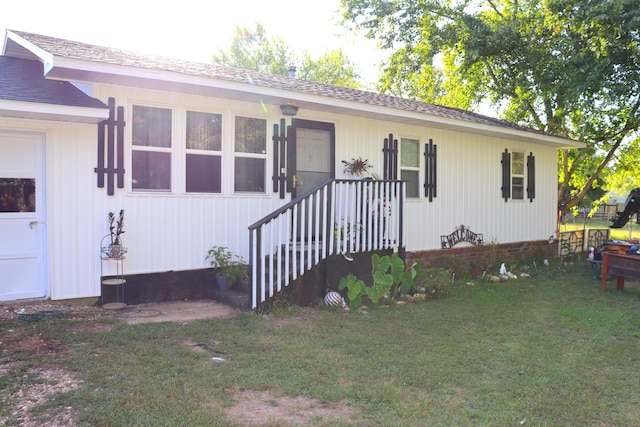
(289, 109)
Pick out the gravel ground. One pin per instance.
(32, 309)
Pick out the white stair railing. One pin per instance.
(338, 217)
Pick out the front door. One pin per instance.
(312, 155)
(311, 158)
(21, 216)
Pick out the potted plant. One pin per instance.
(116, 229)
(356, 167)
(231, 268)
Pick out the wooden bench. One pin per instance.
(621, 266)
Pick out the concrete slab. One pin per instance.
(173, 311)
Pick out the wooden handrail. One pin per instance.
(339, 216)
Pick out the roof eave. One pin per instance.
(79, 70)
(62, 113)
(18, 47)
(494, 131)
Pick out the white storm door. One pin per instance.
(22, 270)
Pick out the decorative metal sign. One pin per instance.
(570, 242)
(461, 234)
(596, 238)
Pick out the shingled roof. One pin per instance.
(106, 55)
(22, 80)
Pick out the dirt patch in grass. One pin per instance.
(33, 310)
(38, 387)
(202, 347)
(31, 388)
(7, 367)
(172, 311)
(20, 341)
(34, 346)
(259, 408)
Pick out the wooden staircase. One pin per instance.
(339, 216)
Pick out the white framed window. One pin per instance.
(151, 131)
(410, 165)
(517, 175)
(203, 158)
(250, 159)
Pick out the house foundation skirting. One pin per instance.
(165, 286)
(474, 259)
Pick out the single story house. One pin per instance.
(195, 154)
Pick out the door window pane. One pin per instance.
(17, 195)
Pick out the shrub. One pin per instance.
(390, 278)
(434, 282)
(230, 265)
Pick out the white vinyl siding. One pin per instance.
(172, 230)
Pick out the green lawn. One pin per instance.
(547, 350)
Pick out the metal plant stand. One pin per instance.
(112, 256)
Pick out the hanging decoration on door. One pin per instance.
(113, 127)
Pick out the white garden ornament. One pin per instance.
(333, 298)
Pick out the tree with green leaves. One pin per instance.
(333, 67)
(567, 67)
(255, 50)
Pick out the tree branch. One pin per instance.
(495, 8)
(575, 199)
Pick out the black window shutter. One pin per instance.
(390, 152)
(280, 138)
(276, 158)
(111, 135)
(430, 180)
(531, 177)
(506, 174)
